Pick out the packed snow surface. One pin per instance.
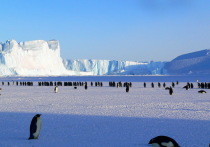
(104, 116)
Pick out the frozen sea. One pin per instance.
(104, 116)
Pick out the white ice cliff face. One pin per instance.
(42, 58)
(113, 67)
(31, 58)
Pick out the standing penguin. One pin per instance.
(86, 87)
(144, 85)
(163, 141)
(159, 85)
(152, 84)
(35, 127)
(171, 91)
(127, 89)
(56, 89)
(164, 84)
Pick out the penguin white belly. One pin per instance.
(56, 89)
(39, 125)
(155, 145)
(167, 144)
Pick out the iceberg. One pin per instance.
(113, 67)
(32, 58)
(42, 58)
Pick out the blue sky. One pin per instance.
(135, 30)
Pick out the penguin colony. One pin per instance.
(159, 141)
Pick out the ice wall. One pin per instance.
(31, 58)
(42, 58)
(113, 67)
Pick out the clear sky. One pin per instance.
(134, 30)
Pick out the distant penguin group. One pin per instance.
(35, 127)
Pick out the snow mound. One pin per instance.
(193, 63)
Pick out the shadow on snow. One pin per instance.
(99, 131)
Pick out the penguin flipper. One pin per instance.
(33, 128)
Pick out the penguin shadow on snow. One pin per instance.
(80, 130)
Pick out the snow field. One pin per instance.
(104, 116)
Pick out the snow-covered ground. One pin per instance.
(104, 116)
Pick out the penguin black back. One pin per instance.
(86, 87)
(164, 141)
(127, 89)
(35, 127)
(201, 91)
(152, 84)
(171, 91)
(144, 85)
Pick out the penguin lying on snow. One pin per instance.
(201, 91)
(163, 141)
(35, 127)
(167, 88)
(186, 87)
(170, 90)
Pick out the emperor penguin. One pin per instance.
(144, 85)
(86, 87)
(127, 89)
(35, 127)
(171, 91)
(56, 89)
(163, 141)
(201, 91)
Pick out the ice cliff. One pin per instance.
(31, 58)
(113, 67)
(42, 58)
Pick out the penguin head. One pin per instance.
(38, 115)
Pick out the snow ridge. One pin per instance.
(192, 63)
